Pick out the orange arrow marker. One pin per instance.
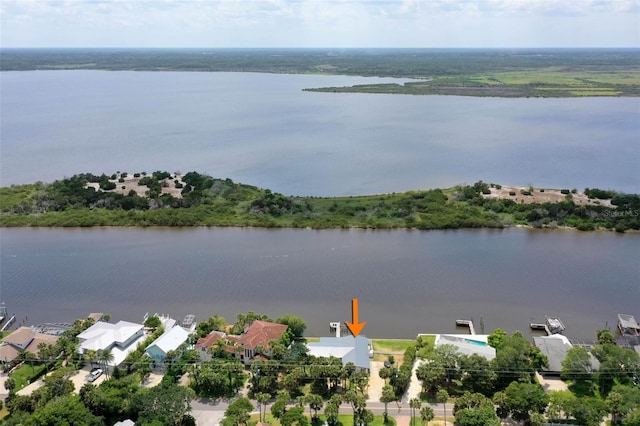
(355, 327)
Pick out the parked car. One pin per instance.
(94, 375)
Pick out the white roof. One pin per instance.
(103, 335)
(171, 339)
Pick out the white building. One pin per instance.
(120, 338)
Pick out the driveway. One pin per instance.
(80, 378)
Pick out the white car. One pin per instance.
(94, 375)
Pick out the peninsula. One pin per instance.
(460, 72)
(173, 199)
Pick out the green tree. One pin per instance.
(65, 410)
(475, 409)
(415, 404)
(332, 409)
(105, 357)
(432, 375)
(496, 338)
(262, 399)
(90, 355)
(152, 322)
(442, 397)
(560, 403)
(166, 403)
(294, 415)
(606, 337)
(279, 407)
(388, 395)
(427, 414)
(588, 411)
(477, 374)
(238, 412)
(315, 403)
(296, 325)
(576, 365)
(520, 400)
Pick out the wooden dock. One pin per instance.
(9, 323)
(466, 323)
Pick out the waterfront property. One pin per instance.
(169, 341)
(555, 348)
(120, 338)
(257, 335)
(467, 344)
(346, 348)
(23, 339)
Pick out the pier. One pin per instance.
(466, 323)
(551, 326)
(8, 323)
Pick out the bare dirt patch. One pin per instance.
(542, 195)
(132, 183)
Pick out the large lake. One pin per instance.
(262, 129)
(407, 281)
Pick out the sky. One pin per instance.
(320, 23)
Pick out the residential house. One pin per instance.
(120, 338)
(555, 348)
(468, 344)
(23, 339)
(347, 348)
(256, 336)
(207, 342)
(169, 341)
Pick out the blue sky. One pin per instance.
(320, 23)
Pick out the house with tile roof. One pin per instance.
(254, 342)
(209, 341)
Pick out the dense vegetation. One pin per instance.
(201, 200)
(469, 72)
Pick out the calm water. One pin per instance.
(262, 129)
(407, 281)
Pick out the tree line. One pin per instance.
(207, 201)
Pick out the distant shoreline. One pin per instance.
(505, 73)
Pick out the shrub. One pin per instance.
(564, 191)
(512, 193)
(541, 189)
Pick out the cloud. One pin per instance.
(340, 23)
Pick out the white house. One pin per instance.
(170, 340)
(120, 338)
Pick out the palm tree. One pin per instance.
(90, 355)
(414, 404)
(105, 356)
(442, 396)
(262, 399)
(426, 414)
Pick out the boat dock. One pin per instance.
(551, 326)
(466, 323)
(628, 325)
(8, 323)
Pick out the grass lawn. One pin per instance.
(392, 346)
(343, 420)
(23, 374)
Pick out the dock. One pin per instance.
(551, 326)
(466, 323)
(628, 325)
(8, 323)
